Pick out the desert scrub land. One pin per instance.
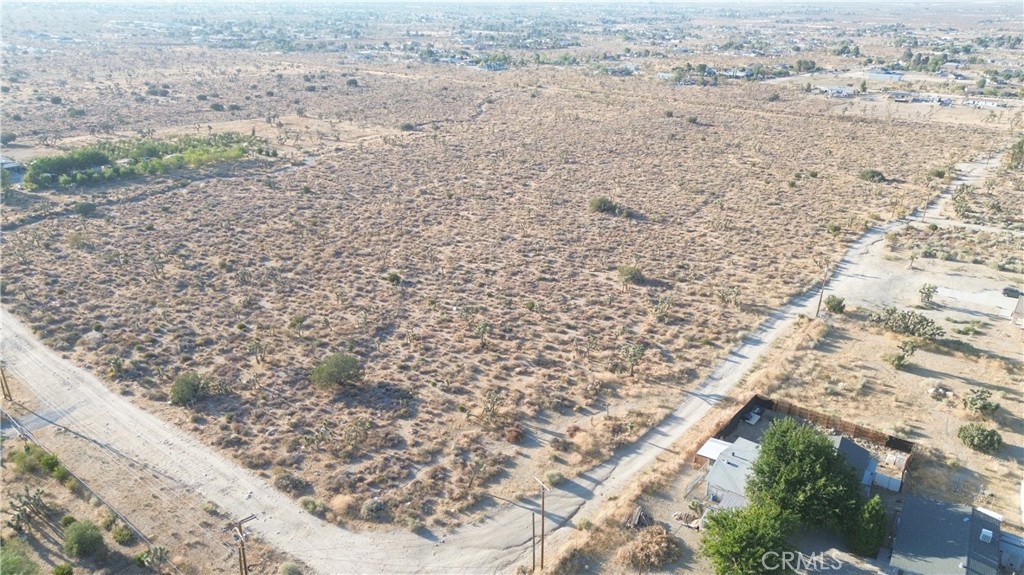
(434, 222)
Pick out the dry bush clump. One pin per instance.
(652, 548)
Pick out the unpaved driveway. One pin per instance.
(497, 544)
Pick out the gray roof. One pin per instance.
(932, 537)
(855, 455)
(732, 468)
(983, 556)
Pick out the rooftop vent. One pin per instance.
(986, 536)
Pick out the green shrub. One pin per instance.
(898, 360)
(373, 510)
(67, 520)
(554, 477)
(393, 278)
(631, 275)
(84, 208)
(65, 569)
(84, 539)
(312, 506)
(28, 459)
(187, 388)
(604, 205)
(123, 535)
(289, 568)
(15, 559)
(336, 370)
(289, 483)
(835, 304)
(979, 438)
(407, 127)
(49, 462)
(872, 176)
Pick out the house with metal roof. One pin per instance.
(727, 479)
(936, 537)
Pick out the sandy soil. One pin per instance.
(499, 543)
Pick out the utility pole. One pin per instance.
(533, 524)
(243, 562)
(3, 382)
(821, 294)
(543, 489)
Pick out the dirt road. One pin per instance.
(497, 544)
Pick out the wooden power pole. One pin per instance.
(821, 294)
(3, 382)
(543, 490)
(243, 561)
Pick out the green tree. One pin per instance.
(84, 539)
(741, 541)
(336, 370)
(927, 293)
(7, 138)
(868, 532)
(799, 470)
(632, 354)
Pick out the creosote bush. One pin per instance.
(979, 438)
(835, 304)
(631, 275)
(373, 510)
(337, 370)
(84, 539)
(187, 388)
(872, 176)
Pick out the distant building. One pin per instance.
(839, 91)
(884, 75)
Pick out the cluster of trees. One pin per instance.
(806, 66)
(920, 62)
(112, 160)
(798, 479)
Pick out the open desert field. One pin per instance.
(532, 244)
